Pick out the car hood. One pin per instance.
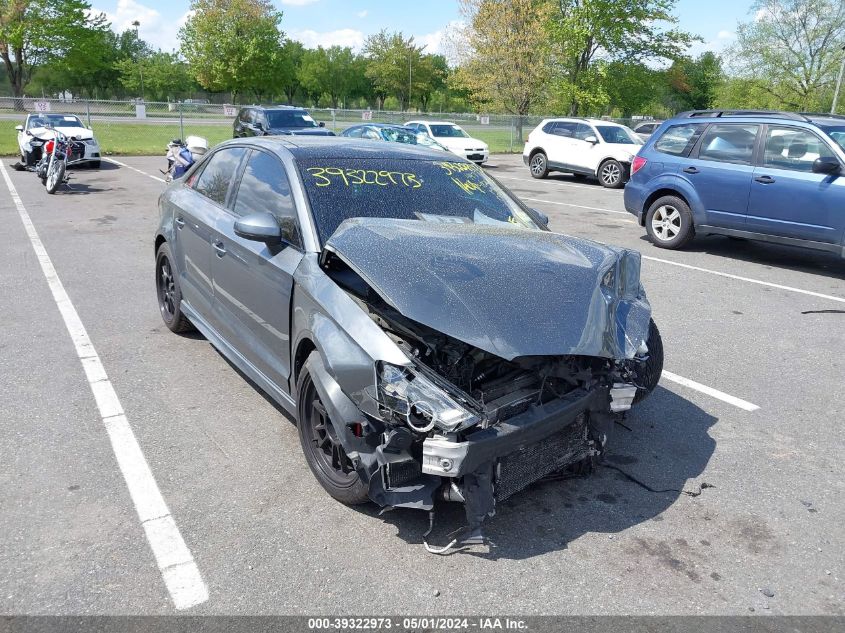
(302, 131)
(80, 133)
(460, 143)
(511, 292)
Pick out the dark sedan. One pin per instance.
(388, 298)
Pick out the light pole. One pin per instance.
(838, 83)
(136, 24)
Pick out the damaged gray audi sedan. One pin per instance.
(433, 340)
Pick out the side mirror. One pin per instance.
(544, 219)
(322, 124)
(19, 128)
(826, 166)
(591, 139)
(259, 227)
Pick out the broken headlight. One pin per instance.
(407, 396)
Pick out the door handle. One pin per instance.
(691, 170)
(219, 247)
(766, 180)
(180, 222)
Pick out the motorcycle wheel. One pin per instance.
(55, 176)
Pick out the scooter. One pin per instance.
(182, 155)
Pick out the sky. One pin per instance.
(349, 22)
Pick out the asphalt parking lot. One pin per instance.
(757, 328)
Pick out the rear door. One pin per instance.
(585, 156)
(253, 281)
(720, 169)
(558, 143)
(198, 206)
(787, 198)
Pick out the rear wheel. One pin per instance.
(669, 223)
(169, 293)
(322, 447)
(538, 165)
(55, 176)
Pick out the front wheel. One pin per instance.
(538, 165)
(55, 176)
(612, 174)
(321, 445)
(649, 370)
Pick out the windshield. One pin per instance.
(429, 191)
(398, 135)
(289, 119)
(837, 133)
(618, 134)
(448, 131)
(54, 120)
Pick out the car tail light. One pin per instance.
(637, 164)
(49, 146)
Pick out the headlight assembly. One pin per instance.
(407, 396)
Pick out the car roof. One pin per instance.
(310, 147)
(383, 125)
(275, 107)
(575, 119)
(435, 122)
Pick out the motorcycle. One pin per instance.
(58, 153)
(182, 155)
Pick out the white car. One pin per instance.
(39, 125)
(454, 138)
(583, 147)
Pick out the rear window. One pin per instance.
(430, 191)
(678, 140)
(289, 119)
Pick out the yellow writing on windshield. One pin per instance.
(466, 175)
(327, 176)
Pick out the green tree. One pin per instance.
(285, 75)
(34, 32)
(505, 64)
(166, 77)
(429, 76)
(694, 83)
(630, 88)
(583, 31)
(231, 45)
(792, 48)
(327, 71)
(391, 59)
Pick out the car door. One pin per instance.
(787, 198)
(253, 281)
(558, 143)
(720, 169)
(585, 155)
(197, 207)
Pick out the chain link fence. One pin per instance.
(138, 127)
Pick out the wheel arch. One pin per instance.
(160, 239)
(537, 150)
(624, 163)
(660, 193)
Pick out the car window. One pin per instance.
(582, 131)
(354, 132)
(447, 191)
(646, 128)
(564, 128)
(218, 172)
(265, 187)
(678, 140)
(549, 127)
(55, 120)
(837, 133)
(729, 143)
(371, 134)
(618, 134)
(793, 148)
(289, 119)
(448, 131)
(398, 135)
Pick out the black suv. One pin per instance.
(264, 121)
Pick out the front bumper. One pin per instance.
(455, 459)
(476, 155)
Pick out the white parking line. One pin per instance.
(595, 188)
(178, 569)
(715, 393)
(143, 173)
(748, 279)
(581, 206)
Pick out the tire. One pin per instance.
(168, 292)
(320, 445)
(538, 165)
(612, 174)
(648, 372)
(669, 223)
(55, 176)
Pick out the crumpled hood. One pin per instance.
(79, 133)
(304, 131)
(511, 292)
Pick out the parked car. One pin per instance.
(771, 176)
(454, 138)
(392, 133)
(268, 121)
(583, 147)
(41, 125)
(645, 129)
(388, 300)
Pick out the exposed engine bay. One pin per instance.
(438, 412)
